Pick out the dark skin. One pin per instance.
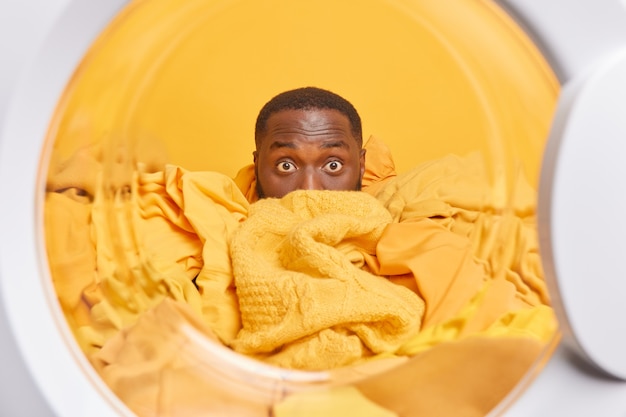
(308, 150)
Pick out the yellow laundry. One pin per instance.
(297, 267)
(136, 261)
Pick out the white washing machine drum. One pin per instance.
(119, 150)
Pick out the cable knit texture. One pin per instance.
(305, 300)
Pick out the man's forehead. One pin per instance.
(297, 143)
(311, 122)
(313, 116)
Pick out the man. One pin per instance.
(308, 139)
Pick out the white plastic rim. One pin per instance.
(61, 373)
(582, 201)
(573, 35)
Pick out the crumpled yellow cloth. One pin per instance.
(115, 254)
(498, 222)
(122, 249)
(297, 264)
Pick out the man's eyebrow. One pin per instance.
(324, 145)
(334, 144)
(278, 144)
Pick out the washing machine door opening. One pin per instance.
(147, 174)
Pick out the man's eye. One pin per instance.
(286, 166)
(333, 166)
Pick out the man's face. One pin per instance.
(308, 150)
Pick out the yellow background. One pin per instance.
(428, 77)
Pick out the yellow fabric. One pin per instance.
(447, 237)
(462, 378)
(336, 401)
(418, 249)
(154, 368)
(456, 193)
(114, 255)
(302, 293)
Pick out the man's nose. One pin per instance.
(310, 181)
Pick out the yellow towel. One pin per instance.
(305, 301)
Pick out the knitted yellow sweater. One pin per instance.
(305, 300)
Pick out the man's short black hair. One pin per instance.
(307, 98)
